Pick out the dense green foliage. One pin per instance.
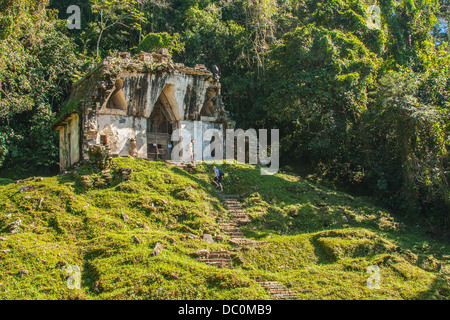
(153, 42)
(307, 244)
(361, 95)
(37, 62)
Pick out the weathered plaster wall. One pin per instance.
(74, 129)
(182, 95)
(69, 142)
(119, 130)
(195, 130)
(186, 94)
(63, 149)
(119, 95)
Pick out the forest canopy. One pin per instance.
(359, 89)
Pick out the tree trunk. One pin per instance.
(140, 31)
(101, 32)
(98, 42)
(406, 172)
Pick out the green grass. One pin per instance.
(308, 245)
(5, 181)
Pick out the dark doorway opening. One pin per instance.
(159, 133)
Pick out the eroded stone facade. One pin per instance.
(133, 106)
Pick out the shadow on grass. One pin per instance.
(439, 289)
(5, 181)
(67, 178)
(323, 257)
(295, 205)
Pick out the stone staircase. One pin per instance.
(237, 217)
(230, 227)
(223, 259)
(220, 259)
(278, 291)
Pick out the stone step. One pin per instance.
(233, 231)
(234, 234)
(243, 241)
(244, 221)
(237, 232)
(241, 222)
(219, 263)
(285, 297)
(278, 291)
(283, 294)
(220, 259)
(215, 259)
(237, 213)
(230, 229)
(230, 223)
(237, 221)
(237, 216)
(217, 255)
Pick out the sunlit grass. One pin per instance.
(317, 241)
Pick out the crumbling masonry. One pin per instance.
(132, 107)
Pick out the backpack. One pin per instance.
(221, 173)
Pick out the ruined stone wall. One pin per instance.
(69, 141)
(118, 96)
(119, 130)
(195, 130)
(185, 94)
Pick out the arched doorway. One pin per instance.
(160, 126)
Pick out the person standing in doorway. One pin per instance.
(191, 150)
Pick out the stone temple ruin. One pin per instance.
(132, 107)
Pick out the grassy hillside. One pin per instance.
(316, 241)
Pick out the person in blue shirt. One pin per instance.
(218, 177)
